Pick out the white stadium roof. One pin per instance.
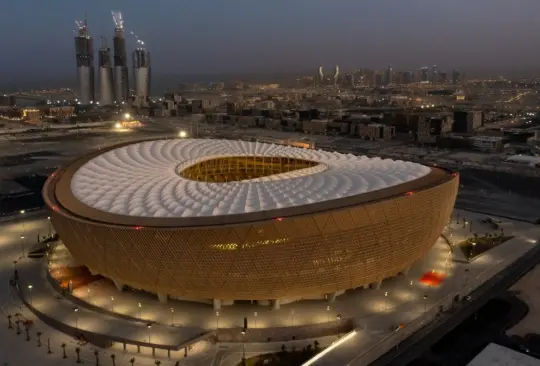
(142, 179)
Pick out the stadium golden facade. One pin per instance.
(285, 253)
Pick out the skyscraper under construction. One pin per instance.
(141, 75)
(121, 83)
(106, 91)
(85, 63)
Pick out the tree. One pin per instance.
(283, 348)
(317, 345)
(158, 362)
(113, 358)
(78, 352)
(64, 350)
(132, 361)
(39, 338)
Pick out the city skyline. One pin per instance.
(192, 39)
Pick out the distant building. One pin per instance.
(31, 115)
(7, 100)
(431, 127)
(467, 121)
(375, 131)
(457, 77)
(488, 143)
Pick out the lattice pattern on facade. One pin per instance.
(282, 258)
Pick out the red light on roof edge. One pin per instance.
(409, 193)
(278, 219)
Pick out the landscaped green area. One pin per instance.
(476, 245)
(285, 357)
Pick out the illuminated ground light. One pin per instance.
(432, 278)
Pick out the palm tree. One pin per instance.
(113, 358)
(96, 353)
(78, 352)
(132, 361)
(317, 346)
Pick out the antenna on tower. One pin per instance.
(118, 19)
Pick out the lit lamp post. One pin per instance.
(217, 319)
(30, 293)
(76, 311)
(473, 248)
(140, 311)
(22, 245)
(386, 301)
(50, 229)
(425, 303)
(255, 315)
(149, 326)
(292, 318)
(112, 303)
(88, 289)
(244, 346)
(338, 319)
(172, 317)
(328, 312)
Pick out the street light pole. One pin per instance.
(425, 303)
(149, 326)
(172, 317)
(30, 292)
(386, 301)
(76, 310)
(50, 229)
(22, 245)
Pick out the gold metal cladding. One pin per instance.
(338, 245)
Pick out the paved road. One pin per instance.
(423, 339)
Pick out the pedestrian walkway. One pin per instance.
(40, 295)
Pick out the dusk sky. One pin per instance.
(213, 36)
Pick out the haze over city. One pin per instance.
(208, 37)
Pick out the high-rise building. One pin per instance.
(84, 52)
(320, 76)
(457, 77)
(141, 75)
(434, 75)
(349, 80)
(121, 82)
(389, 76)
(106, 90)
(424, 75)
(336, 75)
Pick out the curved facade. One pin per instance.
(287, 253)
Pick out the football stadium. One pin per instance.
(223, 220)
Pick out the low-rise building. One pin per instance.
(431, 127)
(375, 131)
(488, 143)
